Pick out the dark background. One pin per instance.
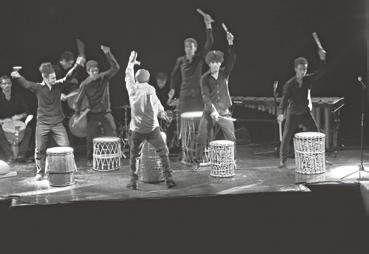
(268, 36)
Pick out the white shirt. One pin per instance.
(145, 105)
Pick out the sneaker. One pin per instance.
(39, 177)
(132, 184)
(170, 182)
(282, 164)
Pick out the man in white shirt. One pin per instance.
(145, 109)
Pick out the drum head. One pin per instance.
(193, 114)
(105, 139)
(59, 150)
(80, 128)
(309, 135)
(11, 126)
(221, 142)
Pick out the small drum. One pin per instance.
(309, 152)
(14, 133)
(150, 168)
(189, 129)
(222, 158)
(106, 153)
(60, 166)
(80, 128)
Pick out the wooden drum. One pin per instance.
(60, 166)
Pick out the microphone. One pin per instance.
(360, 79)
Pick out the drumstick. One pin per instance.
(225, 28)
(280, 130)
(317, 41)
(81, 116)
(228, 118)
(80, 47)
(71, 94)
(17, 68)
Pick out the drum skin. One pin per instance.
(80, 128)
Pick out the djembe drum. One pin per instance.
(60, 166)
(14, 133)
(222, 158)
(309, 152)
(150, 167)
(106, 153)
(189, 129)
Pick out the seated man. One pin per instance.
(13, 107)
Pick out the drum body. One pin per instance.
(309, 152)
(106, 153)
(80, 128)
(150, 167)
(222, 158)
(14, 133)
(60, 166)
(190, 122)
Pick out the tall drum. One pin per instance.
(309, 152)
(222, 158)
(14, 133)
(106, 153)
(151, 170)
(189, 129)
(60, 166)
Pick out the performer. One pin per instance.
(145, 109)
(215, 94)
(14, 107)
(294, 105)
(49, 111)
(61, 68)
(188, 69)
(96, 88)
(162, 90)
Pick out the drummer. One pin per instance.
(215, 95)
(61, 68)
(13, 107)
(49, 112)
(96, 88)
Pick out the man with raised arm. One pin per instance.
(49, 110)
(187, 72)
(145, 109)
(96, 88)
(216, 98)
(294, 105)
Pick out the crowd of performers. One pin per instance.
(192, 88)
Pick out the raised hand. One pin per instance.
(80, 61)
(322, 54)
(207, 18)
(133, 58)
(15, 74)
(105, 49)
(230, 38)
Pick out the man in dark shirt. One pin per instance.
(14, 107)
(294, 106)
(61, 68)
(215, 95)
(188, 69)
(49, 111)
(162, 89)
(96, 88)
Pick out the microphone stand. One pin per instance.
(361, 166)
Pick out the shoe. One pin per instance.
(10, 161)
(132, 184)
(282, 164)
(89, 164)
(196, 167)
(170, 182)
(39, 177)
(21, 159)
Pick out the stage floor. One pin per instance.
(257, 172)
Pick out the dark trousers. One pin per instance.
(292, 122)
(24, 145)
(57, 132)
(108, 125)
(157, 141)
(205, 132)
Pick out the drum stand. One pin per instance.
(361, 166)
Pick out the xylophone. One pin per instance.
(325, 111)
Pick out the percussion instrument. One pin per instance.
(72, 98)
(78, 124)
(106, 153)
(60, 166)
(324, 111)
(309, 152)
(222, 158)
(14, 133)
(189, 129)
(150, 167)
